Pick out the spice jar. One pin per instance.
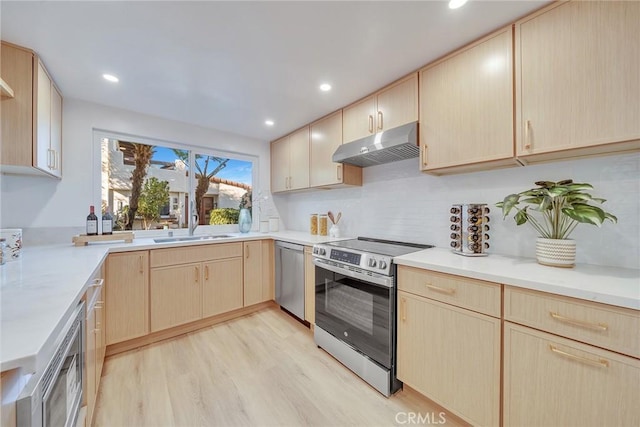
(322, 220)
(313, 225)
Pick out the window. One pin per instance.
(153, 186)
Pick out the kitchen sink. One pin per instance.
(191, 238)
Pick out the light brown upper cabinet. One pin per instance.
(32, 118)
(577, 84)
(393, 106)
(326, 137)
(466, 108)
(290, 162)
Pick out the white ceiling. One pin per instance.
(232, 65)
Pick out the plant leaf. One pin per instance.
(611, 217)
(521, 216)
(545, 184)
(585, 214)
(509, 203)
(580, 186)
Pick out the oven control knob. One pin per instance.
(322, 251)
(372, 262)
(382, 265)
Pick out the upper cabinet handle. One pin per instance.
(527, 136)
(370, 123)
(380, 120)
(424, 155)
(339, 172)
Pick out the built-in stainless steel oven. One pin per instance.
(355, 296)
(53, 398)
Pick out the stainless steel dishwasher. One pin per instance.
(290, 277)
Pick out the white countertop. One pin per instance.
(607, 285)
(39, 291)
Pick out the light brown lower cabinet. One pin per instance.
(452, 356)
(175, 295)
(127, 296)
(554, 381)
(95, 342)
(258, 272)
(222, 289)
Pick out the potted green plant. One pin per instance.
(559, 207)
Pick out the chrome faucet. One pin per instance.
(194, 219)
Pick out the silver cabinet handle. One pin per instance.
(370, 123)
(380, 120)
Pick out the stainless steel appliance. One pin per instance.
(53, 398)
(470, 229)
(355, 287)
(391, 145)
(290, 277)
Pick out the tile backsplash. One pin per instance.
(398, 202)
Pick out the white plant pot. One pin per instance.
(556, 252)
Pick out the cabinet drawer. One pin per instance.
(613, 328)
(477, 295)
(553, 381)
(198, 253)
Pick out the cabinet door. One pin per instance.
(176, 295)
(550, 380)
(17, 112)
(268, 270)
(358, 120)
(127, 296)
(55, 143)
(280, 165)
(253, 277)
(466, 106)
(578, 67)
(222, 289)
(309, 286)
(100, 336)
(43, 157)
(90, 362)
(397, 104)
(452, 356)
(299, 159)
(326, 137)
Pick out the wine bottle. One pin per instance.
(107, 222)
(92, 222)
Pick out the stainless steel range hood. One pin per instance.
(399, 143)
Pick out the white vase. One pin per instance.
(334, 231)
(556, 252)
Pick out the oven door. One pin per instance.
(355, 310)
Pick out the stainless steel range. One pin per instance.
(355, 282)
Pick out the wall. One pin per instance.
(400, 203)
(37, 202)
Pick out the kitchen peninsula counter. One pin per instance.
(39, 291)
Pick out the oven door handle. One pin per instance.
(377, 279)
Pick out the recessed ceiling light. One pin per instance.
(111, 78)
(269, 122)
(454, 4)
(325, 87)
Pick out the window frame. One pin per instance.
(193, 149)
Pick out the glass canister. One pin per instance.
(313, 224)
(323, 224)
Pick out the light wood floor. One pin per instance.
(259, 370)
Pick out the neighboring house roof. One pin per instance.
(216, 180)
